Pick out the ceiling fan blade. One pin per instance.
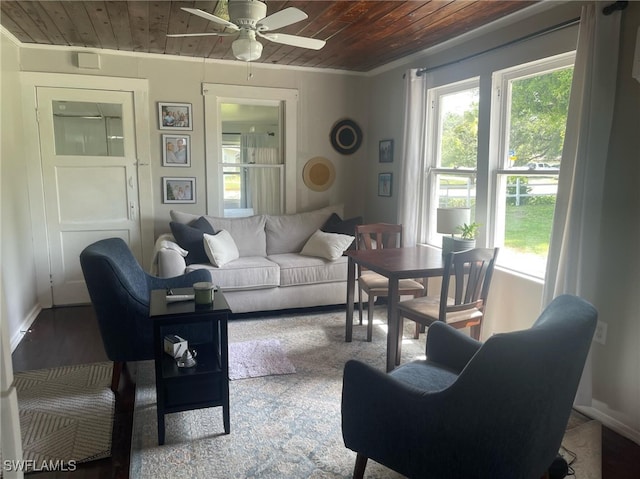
(217, 34)
(281, 19)
(210, 17)
(294, 40)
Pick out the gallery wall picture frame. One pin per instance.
(385, 183)
(174, 116)
(385, 151)
(176, 150)
(178, 189)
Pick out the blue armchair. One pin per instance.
(120, 290)
(472, 410)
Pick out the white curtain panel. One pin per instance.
(575, 239)
(413, 146)
(264, 183)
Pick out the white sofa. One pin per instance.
(270, 272)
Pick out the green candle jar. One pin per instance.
(203, 293)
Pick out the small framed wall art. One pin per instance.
(384, 184)
(176, 150)
(178, 190)
(385, 151)
(174, 116)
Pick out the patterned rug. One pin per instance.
(66, 413)
(282, 426)
(254, 359)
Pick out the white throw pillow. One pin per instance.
(327, 245)
(220, 248)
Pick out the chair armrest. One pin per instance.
(450, 347)
(182, 281)
(170, 263)
(378, 418)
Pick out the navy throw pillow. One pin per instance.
(335, 224)
(191, 238)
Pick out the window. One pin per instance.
(530, 115)
(452, 155)
(512, 189)
(251, 145)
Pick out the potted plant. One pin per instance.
(467, 239)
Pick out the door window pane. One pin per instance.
(88, 129)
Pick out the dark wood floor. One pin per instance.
(70, 335)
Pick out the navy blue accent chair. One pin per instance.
(472, 410)
(120, 291)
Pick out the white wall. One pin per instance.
(616, 385)
(17, 258)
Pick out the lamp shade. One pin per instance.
(450, 219)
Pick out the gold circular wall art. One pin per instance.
(318, 174)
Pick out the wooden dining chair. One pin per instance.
(380, 236)
(470, 273)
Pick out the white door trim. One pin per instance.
(140, 90)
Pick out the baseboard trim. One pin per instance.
(600, 412)
(24, 327)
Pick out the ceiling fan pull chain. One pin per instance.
(249, 73)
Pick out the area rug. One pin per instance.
(66, 413)
(282, 426)
(253, 359)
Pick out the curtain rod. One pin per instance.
(539, 33)
(609, 9)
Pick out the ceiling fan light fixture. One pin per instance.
(246, 47)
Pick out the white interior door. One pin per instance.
(89, 168)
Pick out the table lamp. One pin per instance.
(449, 221)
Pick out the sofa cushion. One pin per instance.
(326, 245)
(220, 248)
(289, 233)
(190, 237)
(246, 272)
(296, 269)
(248, 232)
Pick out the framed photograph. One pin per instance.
(176, 150)
(386, 151)
(384, 184)
(174, 116)
(178, 190)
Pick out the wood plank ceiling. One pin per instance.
(361, 34)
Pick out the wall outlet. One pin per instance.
(600, 336)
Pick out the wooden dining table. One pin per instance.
(395, 264)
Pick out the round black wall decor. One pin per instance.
(346, 137)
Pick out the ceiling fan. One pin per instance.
(247, 19)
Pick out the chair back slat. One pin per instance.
(471, 271)
(378, 235)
